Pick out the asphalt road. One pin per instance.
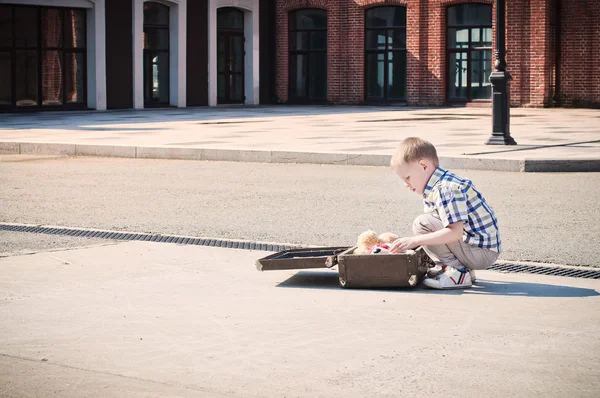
(543, 217)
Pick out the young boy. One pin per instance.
(459, 230)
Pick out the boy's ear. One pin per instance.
(424, 164)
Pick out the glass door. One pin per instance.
(230, 68)
(230, 56)
(308, 56)
(156, 54)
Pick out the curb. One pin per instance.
(268, 156)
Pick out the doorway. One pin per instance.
(230, 56)
(156, 54)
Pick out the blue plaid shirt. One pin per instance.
(453, 199)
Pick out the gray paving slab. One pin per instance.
(149, 319)
(549, 139)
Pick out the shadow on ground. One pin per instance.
(329, 280)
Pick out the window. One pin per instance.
(42, 57)
(469, 52)
(385, 53)
(230, 56)
(156, 54)
(308, 56)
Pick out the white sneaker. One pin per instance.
(438, 269)
(451, 278)
(435, 271)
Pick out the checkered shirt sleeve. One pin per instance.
(451, 203)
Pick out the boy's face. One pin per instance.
(415, 174)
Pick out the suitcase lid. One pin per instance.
(313, 257)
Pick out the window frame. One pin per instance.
(230, 32)
(151, 53)
(389, 29)
(307, 53)
(469, 50)
(39, 49)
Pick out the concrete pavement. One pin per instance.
(549, 139)
(150, 319)
(544, 217)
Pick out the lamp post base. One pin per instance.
(500, 109)
(501, 140)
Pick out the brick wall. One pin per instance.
(580, 53)
(530, 49)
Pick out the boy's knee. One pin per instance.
(422, 226)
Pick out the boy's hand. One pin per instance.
(402, 244)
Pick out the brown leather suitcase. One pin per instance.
(354, 270)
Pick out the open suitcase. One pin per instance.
(355, 270)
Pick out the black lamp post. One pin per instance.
(500, 80)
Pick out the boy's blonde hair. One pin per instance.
(413, 149)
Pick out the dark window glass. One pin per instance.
(5, 80)
(397, 39)
(308, 19)
(74, 78)
(230, 55)
(26, 76)
(389, 17)
(237, 54)
(44, 64)
(469, 43)
(308, 55)
(52, 69)
(156, 78)
(74, 28)
(156, 39)
(52, 28)
(160, 78)
(230, 18)
(457, 75)
(318, 40)
(469, 14)
(298, 75)
(26, 26)
(481, 37)
(156, 53)
(318, 80)
(375, 75)
(397, 74)
(458, 38)
(221, 58)
(156, 14)
(376, 39)
(481, 68)
(221, 87)
(236, 88)
(6, 26)
(385, 58)
(299, 41)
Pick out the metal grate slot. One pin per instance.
(583, 272)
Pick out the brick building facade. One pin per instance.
(553, 49)
(115, 54)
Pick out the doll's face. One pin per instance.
(415, 174)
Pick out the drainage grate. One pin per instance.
(272, 247)
(543, 270)
(131, 236)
